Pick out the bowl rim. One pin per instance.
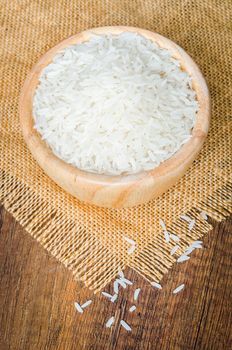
(43, 153)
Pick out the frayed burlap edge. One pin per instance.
(98, 266)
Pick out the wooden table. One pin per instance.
(37, 297)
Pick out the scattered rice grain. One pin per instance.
(121, 282)
(132, 308)
(121, 274)
(162, 224)
(107, 295)
(189, 250)
(78, 307)
(125, 280)
(174, 249)
(87, 303)
(115, 287)
(186, 218)
(183, 258)
(110, 322)
(178, 289)
(175, 238)
(191, 224)
(156, 285)
(125, 325)
(131, 249)
(129, 240)
(166, 236)
(199, 242)
(136, 293)
(114, 298)
(204, 215)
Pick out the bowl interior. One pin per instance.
(42, 152)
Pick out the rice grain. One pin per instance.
(132, 308)
(183, 258)
(136, 293)
(87, 303)
(174, 249)
(114, 298)
(125, 325)
(78, 307)
(156, 285)
(107, 295)
(110, 322)
(178, 289)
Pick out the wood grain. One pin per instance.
(124, 190)
(37, 297)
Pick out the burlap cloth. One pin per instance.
(89, 240)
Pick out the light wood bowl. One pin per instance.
(123, 190)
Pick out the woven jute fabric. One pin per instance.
(90, 240)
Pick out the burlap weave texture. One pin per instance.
(87, 239)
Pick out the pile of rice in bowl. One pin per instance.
(115, 104)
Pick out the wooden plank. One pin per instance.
(37, 297)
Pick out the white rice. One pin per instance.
(192, 247)
(166, 233)
(114, 298)
(116, 287)
(115, 104)
(131, 249)
(178, 289)
(174, 249)
(110, 322)
(136, 293)
(166, 236)
(125, 325)
(121, 282)
(186, 218)
(132, 308)
(197, 242)
(107, 295)
(156, 285)
(175, 238)
(183, 258)
(87, 303)
(129, 240)
(121, 274)
(78, 307)
(191, 225)
(204, 215)
(125, 280)
(189, 250)
(197, 245)
(162, 224)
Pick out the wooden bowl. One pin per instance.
(122, 190)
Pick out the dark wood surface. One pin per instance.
(37, 297)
